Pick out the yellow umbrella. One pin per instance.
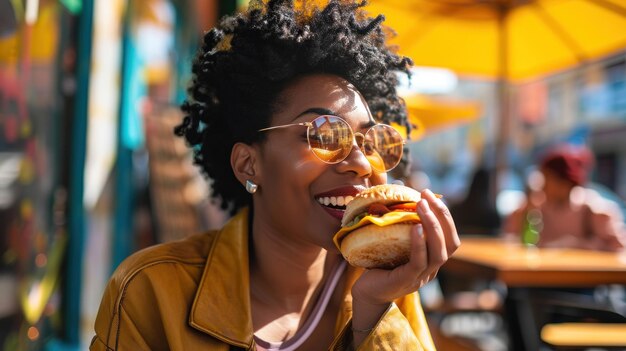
(431, 114)
(507, 40)
(511, 39)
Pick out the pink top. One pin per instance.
(589, 221)
(314, 317)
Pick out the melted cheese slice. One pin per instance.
(387, 219)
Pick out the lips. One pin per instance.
(337, 213)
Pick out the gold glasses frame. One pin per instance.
(376, 161)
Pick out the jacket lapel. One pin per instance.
(222, 304)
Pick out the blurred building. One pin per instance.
(581, 106)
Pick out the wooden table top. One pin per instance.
(517, 265)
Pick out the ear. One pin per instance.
(243, 160)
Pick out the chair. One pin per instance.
(567, 336)
(578, 321)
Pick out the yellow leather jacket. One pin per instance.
(194, 295)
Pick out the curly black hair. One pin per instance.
(246, 61)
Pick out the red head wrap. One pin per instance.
(569, 162)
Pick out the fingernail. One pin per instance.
(420, 230)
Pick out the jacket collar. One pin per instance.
(221, 307)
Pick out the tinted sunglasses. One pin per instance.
(331, 138)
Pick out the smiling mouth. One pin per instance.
(335, 202)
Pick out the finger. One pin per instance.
(442, 213)
(418, 260)
(433, 275)
(435, 241)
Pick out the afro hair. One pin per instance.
(247, 60)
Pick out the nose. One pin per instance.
(356, 161)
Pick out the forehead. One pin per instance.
(321, 91)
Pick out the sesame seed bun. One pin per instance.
(385, 194)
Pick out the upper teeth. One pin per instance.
(335, 200)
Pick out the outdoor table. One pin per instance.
(520, 267)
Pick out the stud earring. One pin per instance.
(251, 187)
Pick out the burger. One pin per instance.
(376, 225)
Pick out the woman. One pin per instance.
(563, 212)
(281, 105)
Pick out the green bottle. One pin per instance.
(533, 223)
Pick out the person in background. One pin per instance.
(476, 213)
(286, 104)
(563, 212)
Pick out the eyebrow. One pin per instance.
(319, 111)
(324, 111)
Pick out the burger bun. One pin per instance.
(373, 246)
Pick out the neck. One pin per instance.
(285, 273)
(560, 199)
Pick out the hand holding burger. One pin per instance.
(411, 253)
(376, 226)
